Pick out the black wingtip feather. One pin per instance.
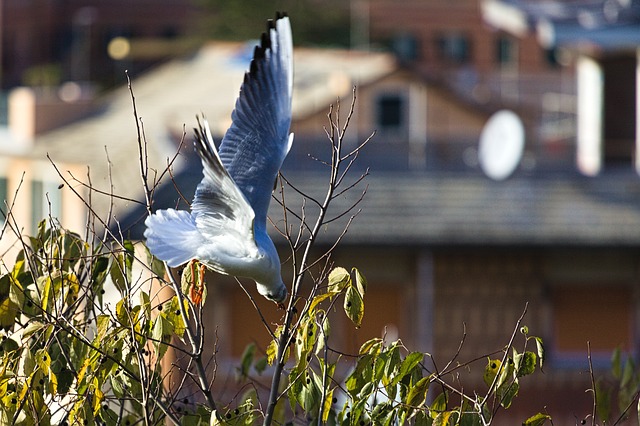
(265, 41)
(200, 144)
(253, 68)
(259, 51)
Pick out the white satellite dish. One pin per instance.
(501, 145)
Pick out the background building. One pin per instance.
(442, 244)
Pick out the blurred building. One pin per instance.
(442, 244)
(452, 45)
(51, 41)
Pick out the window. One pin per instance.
(405, 46)
(506, 51)
(454, 47)
(551, 57)
(45, 199)
(390, 112)
(598, 314)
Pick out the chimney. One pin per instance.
(35, 110)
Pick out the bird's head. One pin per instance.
(276, 292)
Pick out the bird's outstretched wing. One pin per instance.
(258, 140)
(220, 211)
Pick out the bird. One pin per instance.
(226, 228)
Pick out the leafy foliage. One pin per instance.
(386, 384)
(63, 347)
(617, 395)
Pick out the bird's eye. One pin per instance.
(269, 295)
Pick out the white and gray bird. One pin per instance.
(226, 229)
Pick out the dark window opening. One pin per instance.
(390, 112)
(619, 104)
(405, 46)
(505, 51)
(454, 48)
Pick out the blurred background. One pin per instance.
(504, 168)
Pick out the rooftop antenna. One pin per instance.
(501, 145)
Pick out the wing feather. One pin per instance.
(219, 207)
(254, 147)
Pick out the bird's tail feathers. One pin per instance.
(172, 236)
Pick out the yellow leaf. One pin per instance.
(339, 278)
(361, 282)
(354, 306)
(491, 370)
(317, 300)
(328, 402)
(272, 351)
(98, 397)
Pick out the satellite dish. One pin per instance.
(501, 145)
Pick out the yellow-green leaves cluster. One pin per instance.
(59, 342)
(340, 281)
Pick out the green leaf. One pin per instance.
(408, 364)
(508, 392)
(156, 265)
(73, 248)
(328, 403)
(616, 369)
(356, 411)
(145, 303)
(627, 372)
(128, 258)
(442, 419)
(339, 278)
(310, 394)
(383, 413)
(174, 316)
(323, 335)
(161, 329)
(371, 346)
(354, 306)
(506, 374)
(422, 419)
(360, 376)
(540, 348)
(392, 363)
(117, 273)
(603, 402)
(418, 394)
(8, 309)
(361, 282)
(260, 365)
(246, 360)
(537, 420)
(491, 370)
(439, 405)
(526, 363)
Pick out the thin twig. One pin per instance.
(335, 136)
(594, 408)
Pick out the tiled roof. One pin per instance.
(599, 24)
(436, 209)
(455, 209)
